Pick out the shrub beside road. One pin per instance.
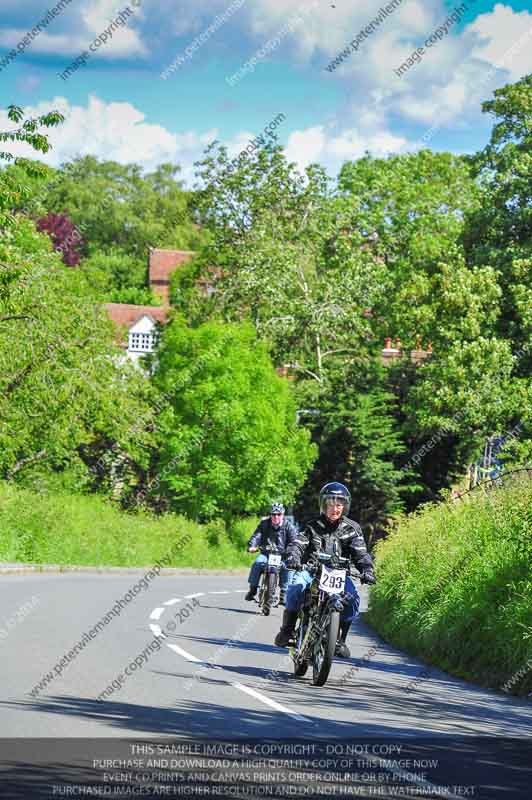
(86, 530)
(454, 587)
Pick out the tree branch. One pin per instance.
(23, 462)
(339, 350)
(307, 371)
(16, 316)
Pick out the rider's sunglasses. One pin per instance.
(276, 514)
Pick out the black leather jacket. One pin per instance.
(266, 534)
(344, 537)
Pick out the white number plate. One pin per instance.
(274, 560)
(332, 581)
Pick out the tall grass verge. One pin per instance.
(455, 587)
(85, 530)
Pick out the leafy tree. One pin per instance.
(112, 272)
(417, 207)
(499, 232)
(120, 213)
(64, 235)
(228, 438)
(273, 249)
(359, 444)
(412, 208)
(325, 276)
(15, 183)
(138, 297)
(119, 208)
(63, 391)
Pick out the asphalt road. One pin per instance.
(216, 673)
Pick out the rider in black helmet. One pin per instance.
(332, 532)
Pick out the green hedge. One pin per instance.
(455, 587)
(61, 528)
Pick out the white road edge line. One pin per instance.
(155, 629)
(190, 596)
(172, 602)
(186, 655)
(218, 592)
(156, 613)
(271, 703)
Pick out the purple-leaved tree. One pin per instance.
(64, 234)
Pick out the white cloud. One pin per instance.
(124, 43)
(444, 89)
(498, 32)
(120, 132)
(453, 76)
(114, 131)
(83, 26)
(125, 40)
(306, 146)
(316, 145)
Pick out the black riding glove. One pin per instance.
(293, 562)
(368, 576)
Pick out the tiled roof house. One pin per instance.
(137, 325)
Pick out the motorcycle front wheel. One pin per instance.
(263, 588)
(300, 665)
(323, 654)
(272, 588)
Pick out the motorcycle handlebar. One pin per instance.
(336, 562)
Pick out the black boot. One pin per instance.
(252, 592)
(342, 650)
(282, 596)
(286, 634)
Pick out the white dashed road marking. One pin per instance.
(268, 702)
(240, 686)
(156, 614)
(188, 656)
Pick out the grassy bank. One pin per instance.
(455, 587)
(88, 531)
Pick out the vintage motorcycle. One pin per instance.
(268, 596)
(316, 631)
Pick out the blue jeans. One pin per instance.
(301, 582)
(257, 568)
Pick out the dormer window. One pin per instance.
(142, 342)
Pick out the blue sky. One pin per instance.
(118, 105)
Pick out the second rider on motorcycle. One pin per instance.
(332, 532)
(273, 530)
